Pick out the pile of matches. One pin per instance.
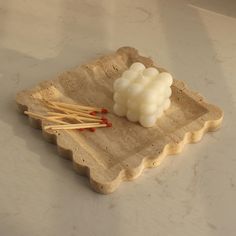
(72, 116)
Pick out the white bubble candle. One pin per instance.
(142, 94)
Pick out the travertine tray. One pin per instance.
(110, 156)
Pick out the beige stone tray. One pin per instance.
(110, 156)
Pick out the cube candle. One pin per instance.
(142, 94)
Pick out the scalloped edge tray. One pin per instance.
(123, 152)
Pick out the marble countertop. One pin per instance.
(192, 193)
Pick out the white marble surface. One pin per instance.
(190, 194)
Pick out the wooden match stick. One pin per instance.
(88, 108)
(66, 110)
(76, 126)
(74, 116)
(69, 125)
(72, 107)
(56, 113)
(32, 114)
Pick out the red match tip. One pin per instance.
(93, 113)
(103, 122)
(109, 124)
(82, 129)
(103, 110)
(104, 118)
(92, 129)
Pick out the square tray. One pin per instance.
(110, 156)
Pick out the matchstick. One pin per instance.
(81, 118)
(73, 107)
(76, 126)
(66, 110)
(102, 110)
(32, 114)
